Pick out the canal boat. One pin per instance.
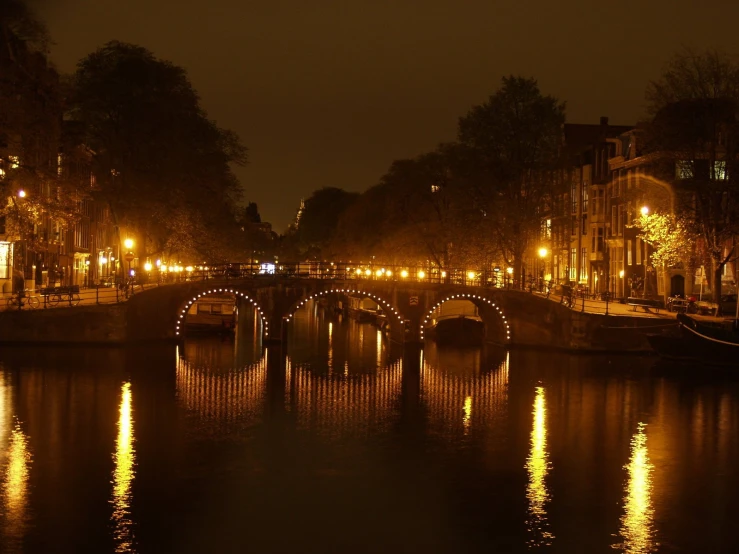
(459, 329)
(699, 341)
(365, 310)
(212, 314)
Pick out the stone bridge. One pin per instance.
(509, 317)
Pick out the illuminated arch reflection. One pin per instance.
(537, 467)
(461, 396)
(123, 475)
(220, 396)
(637, 527)
(341, 404)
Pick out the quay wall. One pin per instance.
(104, 324)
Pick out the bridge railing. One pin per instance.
(343, 271)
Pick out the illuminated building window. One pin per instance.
(684, 169)
(719, 170)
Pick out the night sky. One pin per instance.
(330, 92)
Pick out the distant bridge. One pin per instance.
(408, 296)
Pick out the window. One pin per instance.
(584, 224)
(585, 197)
(435, 188)
(719, 170)
(628, 253)
(638, 251)
(684, 169)
(583, 264)
(573, 264)
(573, 199)
(546, 229)
(573, 230)
(614, 221)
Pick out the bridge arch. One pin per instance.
(477, 300)
(397, 318)
(179, 325)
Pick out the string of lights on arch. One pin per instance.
(469, 297)
(349, 291)
(215, 291)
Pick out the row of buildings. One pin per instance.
(47, 248)
(587, 235)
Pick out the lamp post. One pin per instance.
(128, 243)
(543, 255)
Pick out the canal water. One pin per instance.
(338, 443)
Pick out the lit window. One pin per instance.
(684, 169)
(719, 170)
(435, 188)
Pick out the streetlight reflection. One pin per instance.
(15, 486)
(123, 475)
(637, 522)
(537, 466)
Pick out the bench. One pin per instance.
(644, 303)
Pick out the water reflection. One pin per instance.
(213, 385)
(537, 467)
(15, 487)
(344, 403)
(637, 522)
(123, 475)
(465, 390)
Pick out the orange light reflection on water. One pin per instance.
(123, 475)
(537, 466)
(637, 529)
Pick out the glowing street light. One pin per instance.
(21, 193)
(421, 274)
(147, 266)
(644, 210)
(128, 243)
(404, 274)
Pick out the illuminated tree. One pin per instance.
(673, 241)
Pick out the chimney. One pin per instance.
(603, 120)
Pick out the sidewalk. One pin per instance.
(87, 297)
(617, 308)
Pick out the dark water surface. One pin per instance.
(337, 443)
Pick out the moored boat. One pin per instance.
(699, 341)
(212, 314)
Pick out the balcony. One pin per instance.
(595, 256)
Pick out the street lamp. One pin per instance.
(128, 243)
(543, 255)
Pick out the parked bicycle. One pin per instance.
(55, 295)
(567, 298)
(20, 299)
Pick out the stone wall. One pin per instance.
(79, 325)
